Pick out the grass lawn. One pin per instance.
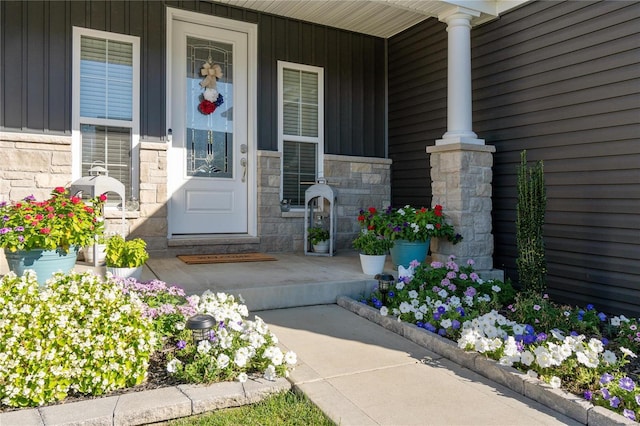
(285, 408)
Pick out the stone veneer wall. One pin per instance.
(360, 182)
(461, 178)
(37, 163)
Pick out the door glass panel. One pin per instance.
(209, 137)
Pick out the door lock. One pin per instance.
(243, 148)
(243, 163)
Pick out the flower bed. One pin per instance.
(85, 335)
(581, 350)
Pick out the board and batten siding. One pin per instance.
(417, 108)
(562, 81)
(35, 54)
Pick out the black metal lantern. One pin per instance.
(385, 282)
(200, 326)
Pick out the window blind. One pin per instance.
(106, 79)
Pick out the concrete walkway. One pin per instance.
(359, 373)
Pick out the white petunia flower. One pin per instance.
(290, 358)
(270, 373)
(172, 366)
(242, 377)
(555, 382)
(384, 311)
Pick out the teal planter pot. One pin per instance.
(404, 252)
(43, 262)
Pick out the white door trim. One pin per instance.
(252, 93)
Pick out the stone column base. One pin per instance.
(461, 182)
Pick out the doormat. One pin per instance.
(199, 259)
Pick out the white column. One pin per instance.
(459, 120)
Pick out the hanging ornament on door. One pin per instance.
(210, 99)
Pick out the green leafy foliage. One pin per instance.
(531, 206)
(78, 335)
(59, 222)
(317, 234)
(121, 253)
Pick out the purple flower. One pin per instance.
(606, 378)
(436, 316)
(4, 231)
(604, 341)
(541, 337)
(442, 332)
(588, 395)
(470, 292)
(430, 327)
(463, 276)
(451, 275)
(391, 294)
(589, 307)
(181, 344)
(629, 414)
(536, 307)
(605, 393)
(445, 282)
(420, 324)
(614, 402)
(474, 277)
(441, 309)
(602, 316)
(460, 310)
(627, 384)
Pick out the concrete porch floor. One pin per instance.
(292, 280)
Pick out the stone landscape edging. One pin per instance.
(150, 406)
(559, 400)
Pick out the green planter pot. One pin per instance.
(43, 262)
(404, 252)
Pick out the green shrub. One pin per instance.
(126, 254)
(80, 334)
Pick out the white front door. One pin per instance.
(207, 157)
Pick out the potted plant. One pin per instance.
(319, 239)
(410, 229)
(373, 251)
(124, 258)
(46, 235)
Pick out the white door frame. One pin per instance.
(252, 94)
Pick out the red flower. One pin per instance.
(206, 107)
(438, 226)
(39, 217)
(70, 214)
(372, 210)
(103, 197)
(423, 210)
(59, 189)
(45, 230)
(371, 227)
(51, 216)
(361, 218)
(75, 200)
(88, 209)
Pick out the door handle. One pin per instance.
(243, 163)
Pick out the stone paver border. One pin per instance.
(557, 399)
(152, 406)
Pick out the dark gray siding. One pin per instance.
(36, 56)
(417, 108)
(561, 80)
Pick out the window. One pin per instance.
(300, 128)
(106, 87)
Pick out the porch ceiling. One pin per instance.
(381, 18)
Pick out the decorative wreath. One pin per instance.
(210, 99)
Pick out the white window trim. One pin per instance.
(134, 123)
(319, 140)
